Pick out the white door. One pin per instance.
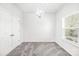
(5, 31)
(15, 34)
(9, 32)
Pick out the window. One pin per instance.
(71, 28)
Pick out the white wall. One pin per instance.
(66, 10)
(9, 15)
(39, 29)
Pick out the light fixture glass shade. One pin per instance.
(39, 12)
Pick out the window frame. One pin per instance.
(63, 29)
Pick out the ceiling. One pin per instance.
(46, 7)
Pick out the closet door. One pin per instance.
(5, 31)
(15, 34)
(9, 31)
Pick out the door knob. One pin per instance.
(12, 35)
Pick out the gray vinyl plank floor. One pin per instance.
(38, 49)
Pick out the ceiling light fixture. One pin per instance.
(39, 12)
